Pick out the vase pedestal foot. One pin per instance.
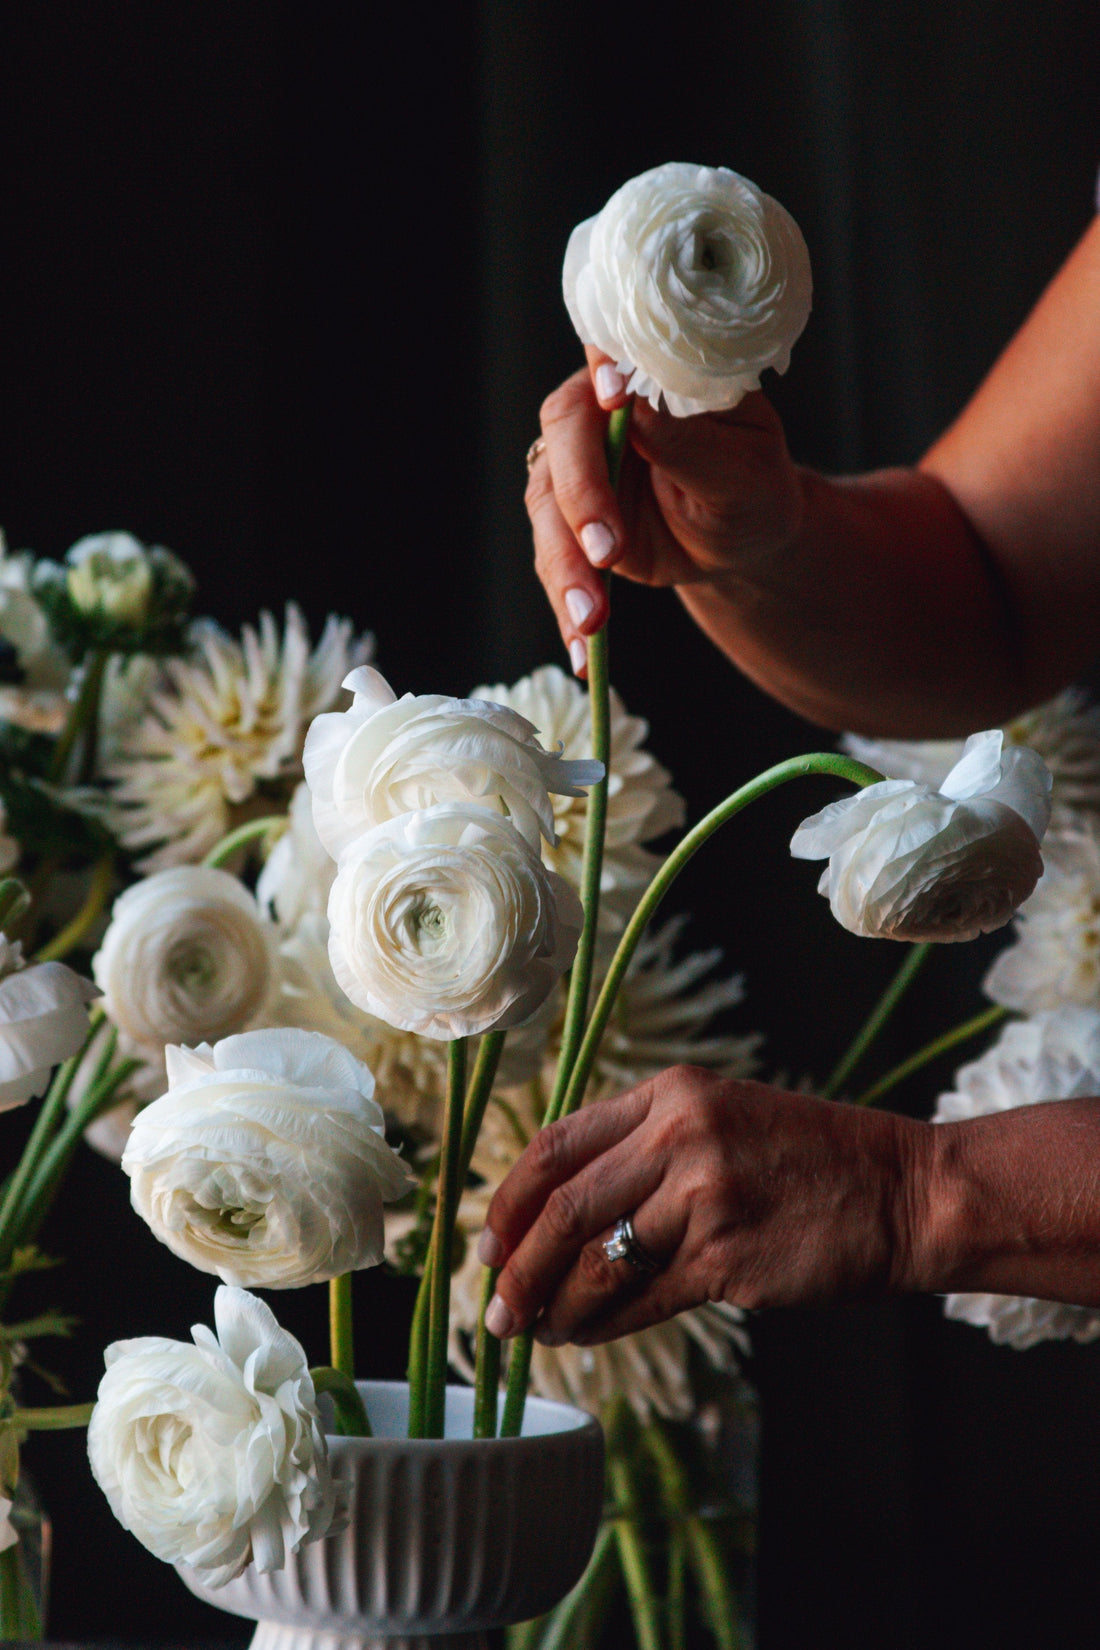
(271, 1635)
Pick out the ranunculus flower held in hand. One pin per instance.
(447, 923)
(266, 1162)
(386, 756)
(910, 863)
(213, 1454)
(693, 281)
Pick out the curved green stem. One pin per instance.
(83, 716)
(487, 1364)
(703, 1550)
(796, 767)
(352, 1420)
(641, 1591)
(85, 920)
(477, 1099)
(877, 1018)
(268, 825)
(14, 901)
(56, 1419)
(340, 1326)
(932, 1051)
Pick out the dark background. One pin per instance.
(279, 288)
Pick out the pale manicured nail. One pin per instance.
(610, 382)
(598, 542)
(579, 605)
(499, 1320)
(578, 654)
(490, 1250)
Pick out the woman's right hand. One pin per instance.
(699, 498)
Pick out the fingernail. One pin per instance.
(579, 605)
(598, 542)
(490, 1250)
(609, 382)
(578, 654)
(499, 1318)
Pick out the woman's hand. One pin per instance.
(739, 1192)
(698, 496)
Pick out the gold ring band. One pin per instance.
(534, 451)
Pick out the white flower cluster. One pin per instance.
(442, 917)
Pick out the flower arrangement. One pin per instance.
(321, 919)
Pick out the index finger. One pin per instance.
(554, 1156)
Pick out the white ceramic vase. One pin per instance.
(446, 1537)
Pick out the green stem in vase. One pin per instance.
(442, 1237)
(677, 1592)
(641, 1591)
(574, 1623)
(418, 1346)
(341, 1333)
(350, 1412)
(931, 1051)
(876, 1020)
(487, 1364)
(477, 1098)
(19, 1613)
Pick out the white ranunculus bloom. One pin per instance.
(910, 863)
(187, 957)
(43, 1020)
(693, 281)
(299, 872)
(385, 756)
(213, 1455)
(1054, 960)
(445, 921)
(1065, 731)
(1053, 1056)
(110, 574)
(266, 1161)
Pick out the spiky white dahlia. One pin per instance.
(1054, 959)
(1065, 731)
(230, 717)
(1053, 1056)
(641, 802)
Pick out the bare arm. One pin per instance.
(906, 602)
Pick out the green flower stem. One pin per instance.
(932, 1051)
(480, 1091)
(268, 825)
(81, 719)
(57, 1419)
(48, 1323)
(418, 1346)
(618, 427)
(487, 1365)
(78, 929)
(703, 1550)
(877, 1018)
(352, 1420)
(796, 767)
(445, 1210)
(340, 1331)
(19, 1616)
(677, 1592)
(574, 1623)
(14, 901)
(46, 1124)
(641, 1591)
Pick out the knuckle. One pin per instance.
(546, 1152)
(563, 402)
(562, 1215)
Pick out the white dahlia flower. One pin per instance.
(641, 803)
(1054, 960)
(226, 719)
(1054, 1056)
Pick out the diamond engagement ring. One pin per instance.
(623, 1245)
(534, 451)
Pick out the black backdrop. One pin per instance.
(279, 289)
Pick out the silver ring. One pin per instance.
(534, 452)
(623, 1245)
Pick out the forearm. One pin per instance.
(1010, 1204)
(885, 615)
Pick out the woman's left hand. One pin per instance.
(739, 1192)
